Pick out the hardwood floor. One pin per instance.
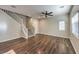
(40, 43)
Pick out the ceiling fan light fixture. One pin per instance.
(46, 14)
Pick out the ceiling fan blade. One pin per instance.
(43, 13)
(50, 13)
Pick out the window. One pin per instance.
(75, 25)
(61, 25)
(3, 27)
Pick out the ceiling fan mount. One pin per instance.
(46, 14)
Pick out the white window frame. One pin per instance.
(75, 25)
(61, 25)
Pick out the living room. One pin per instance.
(39, 29)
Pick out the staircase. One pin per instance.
(19, 19)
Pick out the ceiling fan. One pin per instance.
(46, 13)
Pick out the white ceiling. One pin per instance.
(35, 10)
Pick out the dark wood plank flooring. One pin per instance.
(40, 43)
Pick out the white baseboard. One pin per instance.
(31, 36)
(52, 35)
(4, 40)
(24, 37)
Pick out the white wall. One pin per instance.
(35, 24)
(9, 28)
(51, 26)
(74, 40)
